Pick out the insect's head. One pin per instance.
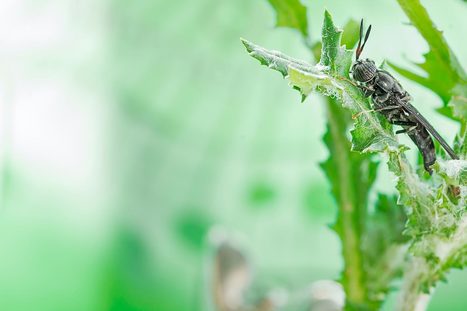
(363, 70)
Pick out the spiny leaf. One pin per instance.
(433, 80)
(458, 102)
(460, 144)
(351, 176)
(444, 74)
(350, 34)
(440, 255)
(437, 220)
(438, 228)
(434, 217)
(434, 37)
(292, 14)
(276, 60)
(337, 58)
(369, 134)
(385, 225)
(454, 172)
(349, 38)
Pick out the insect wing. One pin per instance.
(420, 118)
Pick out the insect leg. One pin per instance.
(367, 90)
(404, 123)
(375, 110)
(356, 115)
(410, 129)
(387, 108)
(406, 98)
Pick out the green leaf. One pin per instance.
(454, 172)
(383, 247)
(351, 175)
(369, 135)
(192, 227)
(349, 38)
(437, 218)
(458, 101)
(350, 35)
(444, 74)
(460, 144)
(439, 48)
(385, 226)
(442, 88)
(292, 14)
(333, 55)
(435, 210)
(440, 255)
(437, 226)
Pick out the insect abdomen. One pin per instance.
(424, 142)
(416, 131)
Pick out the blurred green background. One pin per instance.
(130, 128)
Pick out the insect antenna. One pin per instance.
(360, 46)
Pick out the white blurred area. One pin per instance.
(53, 118)
(175, 154)
(53, 111)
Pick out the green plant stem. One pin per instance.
(348, 219)
(435, 224)
(411, 298)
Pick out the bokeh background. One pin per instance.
(130, 128)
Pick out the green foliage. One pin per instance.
(444, 74)
(373, 245)
(292, 14)
(350, 173)
(350, 34)
(351, 176)
(333, 55)
(260, 194)
(383, 247)
(369, 134)
(438, 224)
(192, 227)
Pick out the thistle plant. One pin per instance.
(421, 233)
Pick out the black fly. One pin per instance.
(391, 100)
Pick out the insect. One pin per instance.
(392, 101)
